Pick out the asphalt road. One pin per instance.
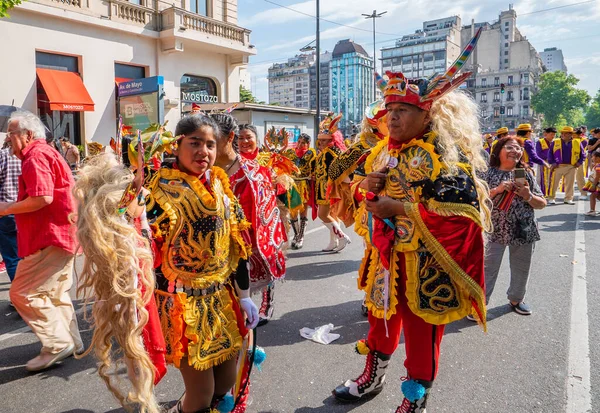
(520, 365)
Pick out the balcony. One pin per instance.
(130, 13)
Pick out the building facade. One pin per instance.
(324, 81)
(193, 51)
(289, 83)
(506, 69)
(351, 84)
(553, 59)
(426, 51)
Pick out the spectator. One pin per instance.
(71, 153)
(10, 169)
(565, 155)
(40, 290)
(592, 184)
(514, 221)
(593, 145)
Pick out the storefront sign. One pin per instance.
(140, 111)
(198, 97)
(140, 86)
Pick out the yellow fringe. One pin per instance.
(449, 209)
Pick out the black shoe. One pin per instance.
(521, 308)
(262, 322)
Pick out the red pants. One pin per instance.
(421, 339)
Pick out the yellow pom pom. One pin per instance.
(362, 348)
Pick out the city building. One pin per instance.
(289, 83)
(323, 79)
(506, 69)
(553, 59)
(79, 64)
(426, 51)
(351, 84)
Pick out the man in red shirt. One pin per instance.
(40, 291)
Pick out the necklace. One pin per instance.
(231, 166)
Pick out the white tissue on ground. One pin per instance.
(322, 335)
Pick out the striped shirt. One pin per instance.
(10, 169)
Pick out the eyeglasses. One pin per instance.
(17, 132)
(513, 148)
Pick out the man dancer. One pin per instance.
(412, 206)
(546, 176)
(565, 155)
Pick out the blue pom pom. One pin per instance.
(259, 357)
(413, 390)
(226, 405)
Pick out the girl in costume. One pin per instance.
(251, 183)
(592, 185)
(202, 282)
(303, 157)
(330, 143)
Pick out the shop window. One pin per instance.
(123, 71)
(199, 90)
(198, 6)
(61, 124)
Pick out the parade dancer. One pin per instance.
(202, 281)
(565, 154)
(251, 184)
(303, 157)
(352, 161)
(546, 176)
(330, 143)
(420, 196)
(582, 170)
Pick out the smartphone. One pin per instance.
(520, 176)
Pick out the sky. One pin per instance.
(279, 33)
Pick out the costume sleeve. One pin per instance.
(538, 149)
(581, 153)
(551, 159)
(533, 156)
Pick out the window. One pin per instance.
(496, 96)
(506, 53)
(526, 94)
(526, 79)
(510, 96)
(484, 82)
(505, 44)
(496, 81)
(484, 113)
(124, 71)
(509, 111)
(139, 3)
(484, 97)
(506, 61)
(496, 112)
(506, 24)
(525, 111)
(196, 89)
(506, 36)
(56, 62)
(510, 80)
(198, 6)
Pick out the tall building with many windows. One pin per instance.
(553, 59)
(323, 80)
(351, 83)
(506, 69)
(289, 82)
(426, 51)
(81, 64)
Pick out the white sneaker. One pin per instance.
(333, 244)
(342, 244)
(45, 360)
(551, 202)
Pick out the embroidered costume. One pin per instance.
(422, 269)
(199, 226)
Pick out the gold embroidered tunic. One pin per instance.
(322, 163)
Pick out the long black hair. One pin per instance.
(191, 123)
(227, 124)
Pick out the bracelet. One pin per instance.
(530, 197)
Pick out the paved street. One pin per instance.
(520, 365)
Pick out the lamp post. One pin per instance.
(318, 63)
(373, 16)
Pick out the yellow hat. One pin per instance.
(502, 130)
(566, 129)
(524, 127)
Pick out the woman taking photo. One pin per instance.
(515, 195)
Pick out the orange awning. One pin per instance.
(121, 80)
(65, 90)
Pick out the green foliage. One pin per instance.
(246, 96)
(592, 116)
(559, 100)
(6, 5)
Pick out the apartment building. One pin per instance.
(553, 59)
(81, 64)
(289, 82)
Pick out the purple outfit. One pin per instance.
(558, 158)
(532, 153)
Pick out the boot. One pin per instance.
(333, 239)
(363, 307)
(294, 225)
(369, 382)
(300, 238)
(266, 308)
(343, 239)
(416, 393)
(178, 409)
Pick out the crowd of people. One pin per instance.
(176, 244)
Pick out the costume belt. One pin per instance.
(199, 292)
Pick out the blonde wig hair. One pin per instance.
(117, 259)
(454, 118)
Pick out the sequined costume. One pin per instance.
(305, 163)
(252, 185)
(199, 226)
(322, 163)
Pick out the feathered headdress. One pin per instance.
(155, 140)
(276, 141)
(423, 92)
(329, 125)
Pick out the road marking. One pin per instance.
(579, 398)
(312, 231)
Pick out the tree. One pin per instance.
(246, 96)
(558, 99)
(6, 5)
(592, 116)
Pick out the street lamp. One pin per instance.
(373, 16)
